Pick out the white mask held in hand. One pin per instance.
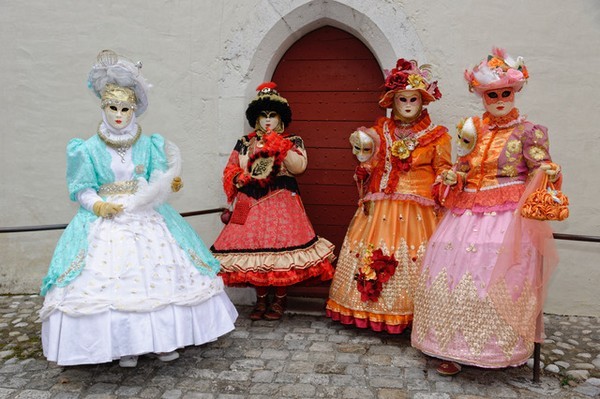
(362, 145)
(466, 138)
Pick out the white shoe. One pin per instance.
(128, 361)
(167, 356)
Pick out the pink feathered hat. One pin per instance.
(498, 71)
(409, 76)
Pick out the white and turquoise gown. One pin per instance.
(141, 282)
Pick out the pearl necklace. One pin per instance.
(120, 146)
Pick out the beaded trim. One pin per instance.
(119, 143)
(387, 169)
(77, 264)
(109, 102)
(510, 183)
(198, 262)
(120, 187)
(120, 146)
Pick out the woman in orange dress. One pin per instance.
(400, 158)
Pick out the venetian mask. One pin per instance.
(466, 138)
(499, 102)
(362, 145)
(269, 120)
(407, 105)
(118, 116)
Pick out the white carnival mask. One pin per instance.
(269, 120)
(118, 116)
(362, 145)
(466, 138)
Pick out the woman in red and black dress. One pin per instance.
(269, 241)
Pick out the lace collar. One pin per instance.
(501, 122)
(415, 129)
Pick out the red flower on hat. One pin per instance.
(404, 65)
(396, 80)
(408, 74)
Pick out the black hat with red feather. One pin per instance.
(268, 99)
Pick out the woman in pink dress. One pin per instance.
(481, 286)
(269, 241)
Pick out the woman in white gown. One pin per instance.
(129, 276)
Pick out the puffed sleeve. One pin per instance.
(536, 146)
(536, 149)
(158, 157)
(442, 157)
(296, 159)
(231, 172)
(80, 169)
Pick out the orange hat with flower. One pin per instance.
(498, 71)
(409, 76)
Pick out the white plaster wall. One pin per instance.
(205, 58)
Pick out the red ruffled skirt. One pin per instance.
(274, 245)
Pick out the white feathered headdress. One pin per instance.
(116, 69)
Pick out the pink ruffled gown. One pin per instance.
(470, 306)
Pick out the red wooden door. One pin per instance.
(332, 82)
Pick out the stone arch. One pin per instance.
(253, 51)
(384, 29)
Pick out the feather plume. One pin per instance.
(499, 52)
(485, 75)
(468, 76)
(515, 64)
(156, 192)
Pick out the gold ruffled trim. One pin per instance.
(388, 319)
(462, 311)
(277, 261)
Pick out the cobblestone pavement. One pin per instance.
(304, 355)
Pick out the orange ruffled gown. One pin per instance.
(397, 217)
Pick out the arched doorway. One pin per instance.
(332, 82)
